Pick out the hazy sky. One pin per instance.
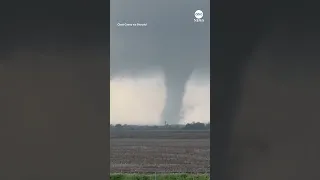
(169, 34)
(150, 94)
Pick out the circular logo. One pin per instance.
(198, 14)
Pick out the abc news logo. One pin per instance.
(198, 14)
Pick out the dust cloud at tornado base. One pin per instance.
(140, 100)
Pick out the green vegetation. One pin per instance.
(124, 176)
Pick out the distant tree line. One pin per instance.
(189, 126)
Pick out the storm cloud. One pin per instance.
(171, 46)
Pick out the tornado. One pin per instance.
(177, 46)
(54, 105)
(175, 82)
(289, 61)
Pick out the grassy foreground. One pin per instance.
(125, 176)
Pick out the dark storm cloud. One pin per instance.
(54, 25)
(53, 83)
(171, 41)
(273, 133)
(171, 35)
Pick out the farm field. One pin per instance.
(159, 177)
(160, 151)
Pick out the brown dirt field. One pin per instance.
(160, 151)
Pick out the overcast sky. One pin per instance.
(169, 34)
